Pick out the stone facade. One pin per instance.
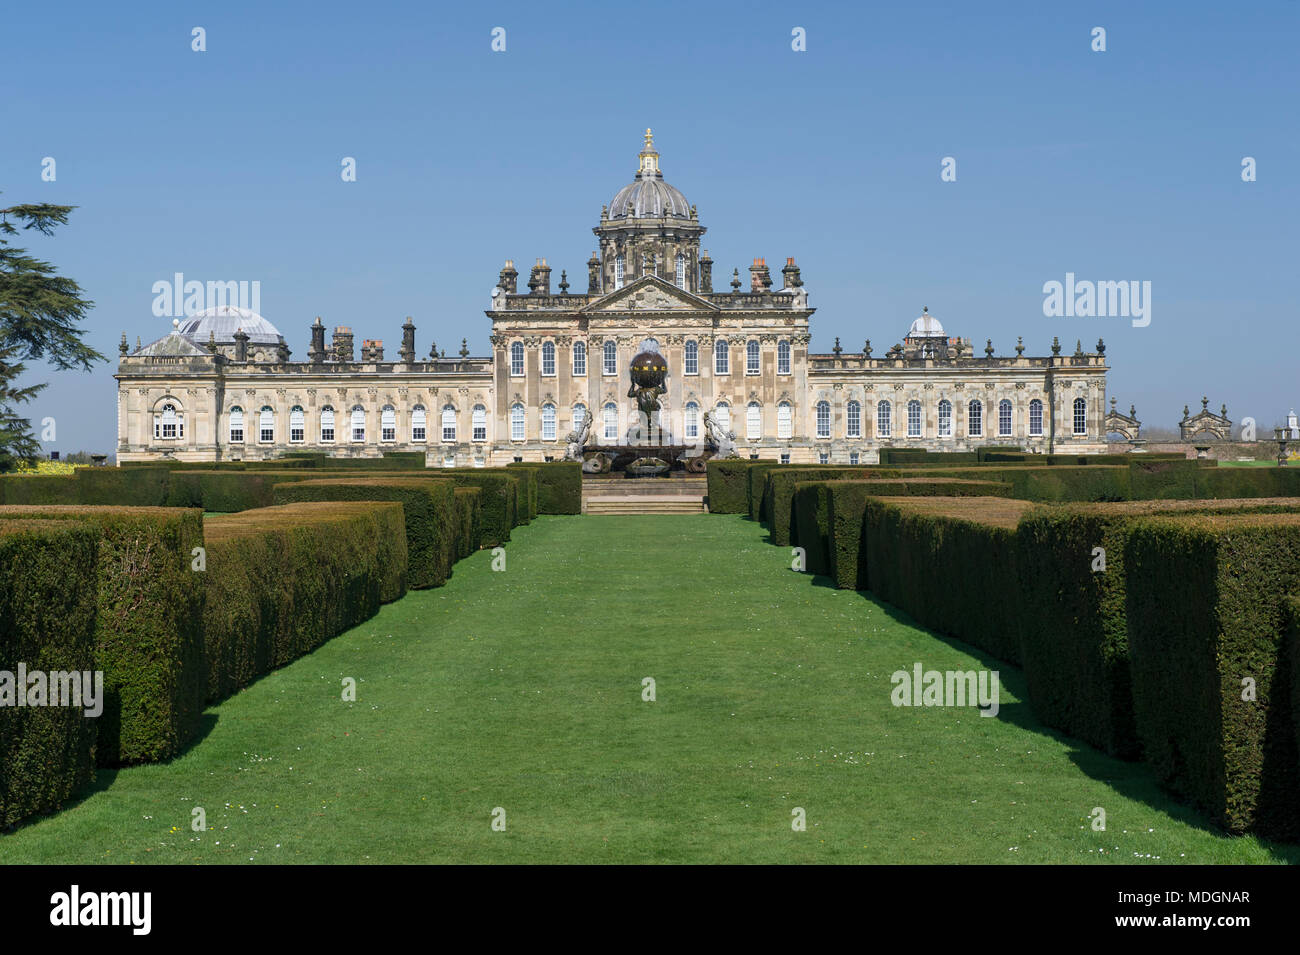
(204, 393)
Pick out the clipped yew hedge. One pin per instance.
(1075, 639)
(559, 485)
(949, 562)
(149, 639)
(1205, 613)
(429, 509)
(837, 525)
(469, 520)
(500, 501)
(728, 485)
(39, 489)
(283, 580)
(1060, 483)
(47, 624)
(779, 484)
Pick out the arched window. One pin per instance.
(327, 425)
(751, 358)
(297, 425)
(1004, 417)
(387, 423)
(266, 426)
(884, 419)
(1080, 416)
(945, 418)
(579, 359)
(236, 425)
(783, 358)
(692, 420)
(419, 427)
(548, 358)
(754, 421)
(611, 358)
(691, 359)
(823, 419)
(853, 419)
(1036, 418)
(579, 416)
(723, 415)
(358, 423)
(478, 421)
(516, 422)
(721, 361)
(975, 419)
(448, 423)
(681, 270)
(784, 420)
(168, 425)
(548, 422)
(914, 419)
(611, 422)
(619, 269)
(517, 359)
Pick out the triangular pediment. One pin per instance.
(649, 293)
(173, 345)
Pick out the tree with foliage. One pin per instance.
(40, 312)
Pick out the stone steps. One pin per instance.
(644, 504)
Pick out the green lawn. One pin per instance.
(522, 690)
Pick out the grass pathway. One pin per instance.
(523, 690)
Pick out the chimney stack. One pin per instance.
(408, 341)
(760, 278)
(241, 345)
(509, 278)
(790, 275)
(342, 343)
(317, 351)
(539, 282)
(706, 272)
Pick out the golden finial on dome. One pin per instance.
(649, 158)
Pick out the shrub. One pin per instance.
(283, 580)
(1246, 482)
(39, 490)
(149, 640)
(779, 491)
(429, 509)
(1075, 634)
(122, 487)
(1205, 612)
(728, 481)
(469, 519)
(499, 500)
(47, 623)
(559, 486)
(841, 528)
(1093, 482)
(949, 562)
(228, 491)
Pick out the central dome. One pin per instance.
(649, 196)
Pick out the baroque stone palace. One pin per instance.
(221, 386)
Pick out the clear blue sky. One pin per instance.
(224, 165)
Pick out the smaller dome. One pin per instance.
(926, 326)
(223, 321)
